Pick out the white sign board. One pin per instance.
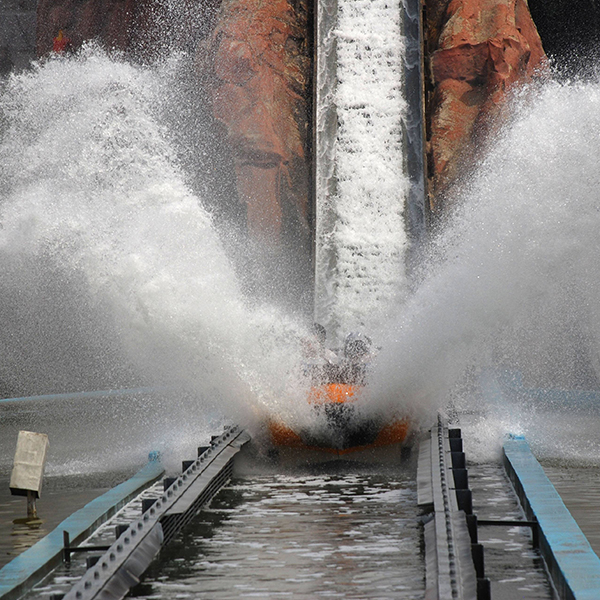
(30, 459)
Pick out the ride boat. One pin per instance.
(340, 427)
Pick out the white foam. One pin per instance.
(514, 277)
(112, 272)
(361, 183)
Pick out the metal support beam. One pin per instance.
(449, 567)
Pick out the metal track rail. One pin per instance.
(125, 561)
(443, 493)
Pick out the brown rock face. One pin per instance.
(255, 63)
(258, 67)
(477, 50)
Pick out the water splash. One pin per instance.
(112, 273)
(514, 277)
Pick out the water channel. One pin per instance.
(112, 274)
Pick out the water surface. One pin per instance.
(301, 536)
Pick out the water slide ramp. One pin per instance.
(573, 566)
(362, 184)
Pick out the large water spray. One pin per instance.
(112, 272)
(512, 279)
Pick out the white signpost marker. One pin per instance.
(28, 470)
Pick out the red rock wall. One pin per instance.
(254, 64)
(254, 60)
(257, 66)
(475, 51)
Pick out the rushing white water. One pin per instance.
(361, 184)
(514, 277)
(111, 271)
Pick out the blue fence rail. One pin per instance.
(571, 562)
(27, 569)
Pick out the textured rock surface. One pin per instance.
(258, 68)
(254, 60)
(476, 50)
(254, 63)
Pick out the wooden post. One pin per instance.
(31, 508)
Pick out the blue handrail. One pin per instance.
(92, 394)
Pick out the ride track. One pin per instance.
(454, 562)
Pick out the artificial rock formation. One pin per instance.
(257, 66)
(475, 51)
(254, 65)
(254, 61)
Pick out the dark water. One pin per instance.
(579, 487)
(345, 535)
(333, 535)
(340, 535)
(300, 536)
(59, 500)
(514, 567)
